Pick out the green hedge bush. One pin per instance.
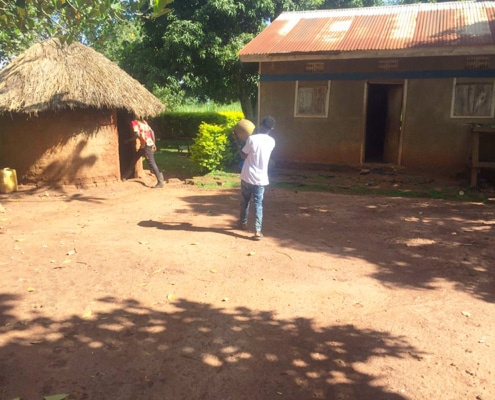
(172, 125)
(214, 147)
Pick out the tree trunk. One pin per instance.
(248, 109)
(248, 90)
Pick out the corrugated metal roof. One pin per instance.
(417, 26)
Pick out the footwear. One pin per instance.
(258, 236)
(242, 225)
(160, 181)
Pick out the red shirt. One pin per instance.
(143, 132)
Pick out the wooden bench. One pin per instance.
(183, 144)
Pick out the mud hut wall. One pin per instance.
(430, 137)
(326, 140)
(70, 147)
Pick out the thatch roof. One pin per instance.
(51, 76)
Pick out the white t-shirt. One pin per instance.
(258, 148)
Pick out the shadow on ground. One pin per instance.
(187, 350)
(413, 242)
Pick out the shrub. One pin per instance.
(209, 146)
(214, 147)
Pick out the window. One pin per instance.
(312, 99)
(388, 65)
(473, 99)
(315, 67)
(477, 62)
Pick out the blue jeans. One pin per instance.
(247, 191)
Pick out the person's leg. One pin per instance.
(258, 192)
(150, 158)
(246, 192)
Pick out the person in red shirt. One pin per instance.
(146, 136)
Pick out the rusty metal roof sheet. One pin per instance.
(419, 26)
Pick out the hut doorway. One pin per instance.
(127, 148)
(383, 123)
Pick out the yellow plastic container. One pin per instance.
(8, 180)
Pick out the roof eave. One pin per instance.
(360, 54)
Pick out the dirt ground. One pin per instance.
(120, 292)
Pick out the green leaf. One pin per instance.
(56, 397)
(160, 7)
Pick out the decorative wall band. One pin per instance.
(363, 76)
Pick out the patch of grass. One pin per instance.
(465, 195)
(208, 107)
(173, 165)
(216, 179)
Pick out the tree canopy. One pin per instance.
(195, 47)
(23, 22)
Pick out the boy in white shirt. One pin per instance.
(254, 175)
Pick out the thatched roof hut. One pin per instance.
(51, 76)
(65, 112)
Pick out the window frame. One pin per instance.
(307, 86)
(467, 81)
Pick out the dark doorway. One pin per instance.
(127, 147)
(383, 123)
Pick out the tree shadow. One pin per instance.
(408, 240)
(51, 191)
(6, 305)
(67, 170)
(189, 350)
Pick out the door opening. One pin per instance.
(383, 123)
(127, 148)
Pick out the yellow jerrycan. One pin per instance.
(8, 180)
